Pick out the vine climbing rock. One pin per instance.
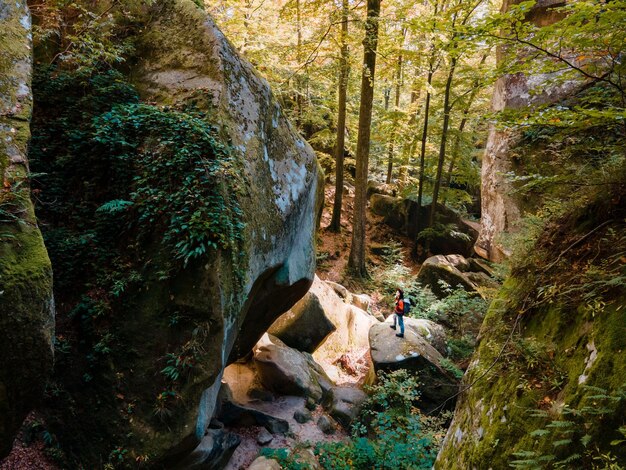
(26, 303)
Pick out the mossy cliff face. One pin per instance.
(554, 389)
(26, 305)
(501, 208)
(146, 389)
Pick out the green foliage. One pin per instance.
(143, 174)
(448, 365)
(182, 174)
(460, 310)
(571, 443)
(461, 348)
(130, 197)
(391, 432)
(288, 460)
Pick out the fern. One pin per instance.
(560, 424)
(114, 206)
(561, 442)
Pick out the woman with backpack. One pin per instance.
(399, 313)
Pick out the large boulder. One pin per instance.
(404, 216)
(346, 404)
(213, 310)
(454, 270)
(349, 343)
(186, 58)
(413, 352)
(214, 451)
(327, 317)
(233, 414)
(306, 325)
(429, 330)
(326, 322)
(341, 291)
(374, 187)
(288, 371)
(449, 269)
(392, 210)
(26, 304)
(362, 301)
(263, 463)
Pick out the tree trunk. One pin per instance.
(429, 80)
(420, 190)
(356, 262)
(455, 154)
(457, 141)
(299, 80)
(444, 138)
(344, 71)
(397, 105)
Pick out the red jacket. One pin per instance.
(399, 307)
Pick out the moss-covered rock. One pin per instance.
(26, 304)
(147, 369)
(548, 381)
(452, 234)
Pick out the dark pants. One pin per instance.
(400, 321)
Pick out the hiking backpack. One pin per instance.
(407, 306)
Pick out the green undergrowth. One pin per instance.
(459, 311)
(132, 198)
(390, 433)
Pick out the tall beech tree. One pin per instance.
(344, 74)
(455, 49)
(356, 262)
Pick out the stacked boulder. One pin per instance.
(455, 270)
(408, 219)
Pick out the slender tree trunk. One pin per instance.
(356, 262)
(444, 138)
(429, 80)
(299, 91)
(457, 140)
(344, 72)
(420, 190)
(408, 148)
(397, 105)
(455, 154)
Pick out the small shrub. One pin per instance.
(391, 432)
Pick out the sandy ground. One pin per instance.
(240, 378)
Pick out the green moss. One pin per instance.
(502, 402)
(26, 313)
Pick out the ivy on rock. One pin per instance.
(180, 178)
